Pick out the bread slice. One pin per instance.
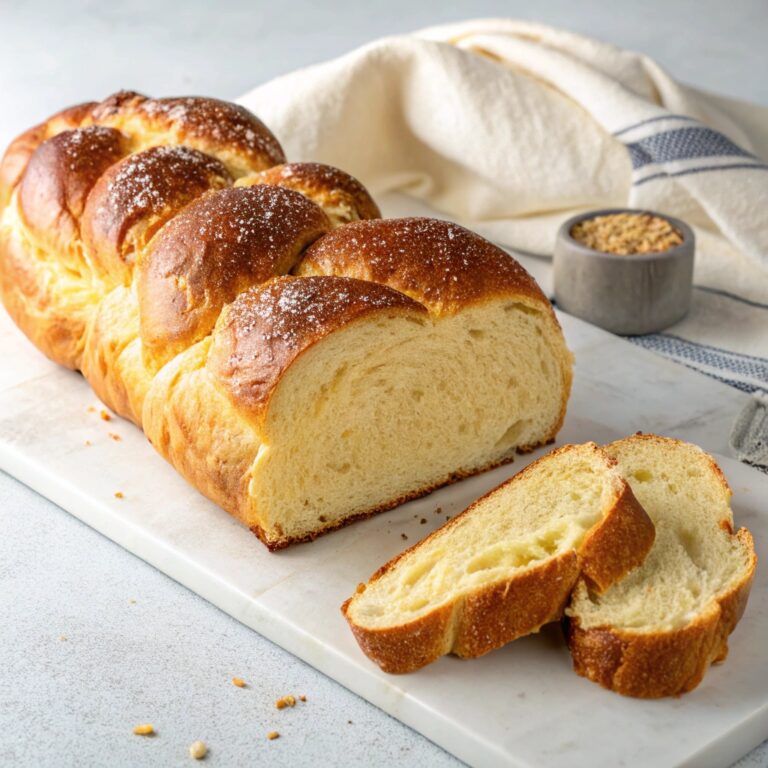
(506, 565)
(656, 632)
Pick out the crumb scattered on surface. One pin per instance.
(132, 601)
(238, 681)
(272, 735)
(302, 697)
(438, 510)
(404, 537)
(198, 750)
(115, 436)
(119, 495)
(105, 416)
(627, 234)
(423, 520)
(146, 729)
(349, 722)
(87, 442)
(285, 701)
(63, 638)
(91, 409)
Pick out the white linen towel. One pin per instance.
(511, 127)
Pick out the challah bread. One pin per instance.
(49, 282)
(656, 632)
(300, 364)
(352, 404)
(506, 565)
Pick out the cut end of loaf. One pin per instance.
(401, 403)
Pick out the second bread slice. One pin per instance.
(506, 565)
(656, 633)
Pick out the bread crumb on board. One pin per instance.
(145, 729)
(302, 697)
(119, 495)
(105, 416)
(272, 735)
(198, 750)
(239, 682)
(115, 436)
(285, 701)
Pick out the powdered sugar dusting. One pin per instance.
(84, 148)
(328, 186)
(220, 122)
(148, 181)
(434, 261)
(254, 224)
(293, 310)
(227, 240)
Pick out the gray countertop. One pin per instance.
(92, 639)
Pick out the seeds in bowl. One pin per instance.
(627, 234)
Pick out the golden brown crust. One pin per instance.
(111, 360)
(219, 128)
(60, 174)
(400, 650)
(340, 195)
(654, 664)
(191, 262)
(610, 551)
(199, 432)
(136, 196)
(494, 615)
(437, 263)
(651, 665)
(19, 151)
(218, 246)
(54, 321)
(268, 327)
(120, 102)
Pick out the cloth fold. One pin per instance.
(510, 127)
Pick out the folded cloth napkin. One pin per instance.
(511, 127)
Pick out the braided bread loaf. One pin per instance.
(301, 361)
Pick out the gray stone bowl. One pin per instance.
(628, 295)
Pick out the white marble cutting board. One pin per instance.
(521, 705)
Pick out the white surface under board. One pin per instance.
(521, 705)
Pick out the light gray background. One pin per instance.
(168, 657)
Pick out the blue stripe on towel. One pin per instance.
(732, 296)
(752, 372)
(687, 143)
(654, 120)
(727, 167)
